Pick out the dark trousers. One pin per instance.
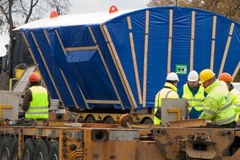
(229, 125)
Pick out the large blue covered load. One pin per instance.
(120, 61)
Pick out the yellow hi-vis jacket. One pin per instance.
(38, 108)
(218, 105)
(168, 91)
(235, 97)
(195, 101)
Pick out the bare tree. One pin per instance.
(227, 8)
(17, 12)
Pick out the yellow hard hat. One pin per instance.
(206, 74)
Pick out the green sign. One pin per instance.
(181, 69)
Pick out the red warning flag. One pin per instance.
(113, 9)
(53, 14)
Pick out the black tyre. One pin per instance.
(90, 119)
(147, 121)
(108, 120)
(14, 149)
(28, 149)
(5, 148)
(42, 150)
(54, 151)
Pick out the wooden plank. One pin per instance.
(213, 42)
(102, 101)
(227, 47)
(119, 67)
(192, 41)
(86, 48)
(46, 66)
(107, 70)
(50, 75)
(170, 31)
(145, 57)
(29, 48)
(134, 59)
(236, 70)
(65, 79)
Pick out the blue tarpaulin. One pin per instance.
(122, 60)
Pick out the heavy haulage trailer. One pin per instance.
(102, 67)
(99, 141)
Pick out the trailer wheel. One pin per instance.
(14, 150)
(28, 149)
(90, 119)
(54, 151)
(5, 148)
(108, 120)
(147, 121)
(41, 152)
(125, 120)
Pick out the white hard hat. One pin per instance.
(193, 76)
(172, 76)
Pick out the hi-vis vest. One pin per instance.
(222, 112)
(195, 101)
(169, 91)
(235, 97)
(38, 108)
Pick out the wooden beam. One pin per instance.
(119, 67)
(227, 47)
(170, 32)
(106, 67)
(134, 59)
(65, 79)
(146, 39)
(213, 42)
(192, 41)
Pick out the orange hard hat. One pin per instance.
(34, 77)
(226, 77)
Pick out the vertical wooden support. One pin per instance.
(119, 67)
(145, 57)
(29, 48)
(227, 47)
(134, 59)
(105, 66)
(236, 70)
(32, 55)
(50, 75)
(45, 64)
(65, 79)
(192, 41)
(170, 32)
(213, 42)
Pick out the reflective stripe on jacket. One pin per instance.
(38, 108)
(235, 97)
(168, 91)
(218, 105)
(196, 100)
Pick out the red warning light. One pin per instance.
(53, 14)
(113, 9)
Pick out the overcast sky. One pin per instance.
(85, 6)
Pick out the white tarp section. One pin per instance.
(74, 19)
